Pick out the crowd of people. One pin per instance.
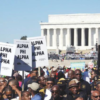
(56, 83)
(73, 56)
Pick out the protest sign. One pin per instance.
(23, 57)
(39, 52)
(78, 65)
(7, 53)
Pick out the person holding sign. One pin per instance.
(33, 73)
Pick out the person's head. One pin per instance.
(53, 75)
(34, 73)
(2, 81)
(96, 68)
(73, 86)
(79, 98)
(86, 65)
(71, 74)
(93, 74)
(18, 77)
(25, 95)
(33, 88)
(44, 67)
(55, 91)
(61, 75)
(42, 73)
(49, 83)
(86, 68)
(98, 86)
(95, 95)
(62, 85)
(51, 67)
(54, 70)
(78, 74)
(42, 80)
(8, 92)
(95, 79)
(13, 82)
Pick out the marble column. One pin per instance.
(55, 39)
(48, 37)
(75, 37)
(61, 38)
(97, 36)
(83, 37)
(68, 37)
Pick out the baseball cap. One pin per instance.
(62, 79)
(61, 82)
(34, 86)
(73, 82)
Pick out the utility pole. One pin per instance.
(98, 61)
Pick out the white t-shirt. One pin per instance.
(47, 95)
(45, 71)
(66, 75)
(17, 98)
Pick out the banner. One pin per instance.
(78, 65)
(7, 53)
(23, 57)
(39, 52)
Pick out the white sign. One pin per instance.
(23, 57)
(7, 53)
(39, 52)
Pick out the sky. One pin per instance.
(22, 17)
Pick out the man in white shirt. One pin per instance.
(49, 85)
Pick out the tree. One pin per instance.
(23, 38)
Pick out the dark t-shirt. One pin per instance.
(85, 87)
(25, 82)
(70, 96)
(93, 86)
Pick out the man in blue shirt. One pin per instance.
(85, 75)
(34, 90)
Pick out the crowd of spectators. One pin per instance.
(72, 56)
(56, 83)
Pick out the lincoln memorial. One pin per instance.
(79, 30)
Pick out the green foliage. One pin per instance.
(23, 38)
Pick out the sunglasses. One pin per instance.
(54, 91)
(2, 81)
(49, 83)
(96, 96)
(78, 74)
(35, 72)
